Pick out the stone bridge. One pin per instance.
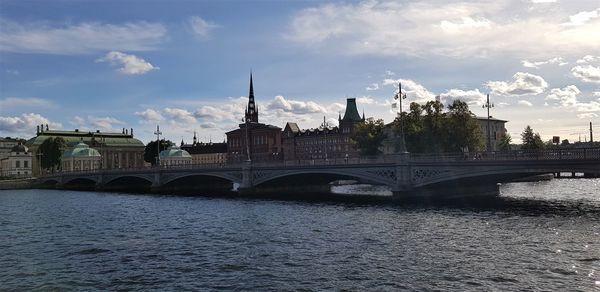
(403, 173)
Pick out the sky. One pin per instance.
(185, 65)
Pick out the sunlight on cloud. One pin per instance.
(132, 65)
(523, 84)
(24, 125)
(25, 102)
(587, 73)
(201, 27)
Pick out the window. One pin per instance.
(25, 163)
(17, 163)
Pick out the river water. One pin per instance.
(535, 236)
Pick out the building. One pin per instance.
(206, 153)
(496, 132)
(117, 150)
(80, 158)
(6, 144)
(18, 162)
(324, 142)
(253, 140)
(174, 156)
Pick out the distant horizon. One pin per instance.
(105, 65)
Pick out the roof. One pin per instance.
(81, 150)
(293, 127)
(174, 151)
(96, 139)
(491, 119)
(254, 126)
(209, 148)
(351, 113)
(19, 148)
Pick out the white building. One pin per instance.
(17, 163)
(497, 130)
(174, 156)
(80, 158)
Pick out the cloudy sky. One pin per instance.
(185, 65)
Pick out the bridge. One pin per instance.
(406, 174)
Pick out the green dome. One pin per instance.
(81, 150)
(174, 151)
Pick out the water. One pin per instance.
(536, 236)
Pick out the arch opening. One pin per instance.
(205, 185)
(127, 184)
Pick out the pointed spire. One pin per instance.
(363, 117)
(251, 109)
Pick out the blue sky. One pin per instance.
(185, 65)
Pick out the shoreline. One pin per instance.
(17, 184)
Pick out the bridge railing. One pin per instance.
(514, 155)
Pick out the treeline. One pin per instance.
(427, 129)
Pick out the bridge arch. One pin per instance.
(382, 177)
(222, 176)
(134, 177)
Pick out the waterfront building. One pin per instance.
(206, 153)
(253, 140)
(174, 156)
(17, 163)
(324, 142)
(117, 150)
(497, 130)
(6, 144)
(80, 158)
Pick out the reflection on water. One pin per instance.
(535, 236)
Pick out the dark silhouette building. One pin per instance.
(206, 153)
(324, 142)
(253, 140)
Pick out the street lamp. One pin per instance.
(488, 105)
(157, 133)
(400, 96)
(325, 125)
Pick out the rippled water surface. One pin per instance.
(536, 236)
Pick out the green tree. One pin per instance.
(504, 142)
(368, 136)
(150, 152)
(530, 140)
(565, 143)
(435, 135)
(463, 129)
(50, 152)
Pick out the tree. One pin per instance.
(368, 136)
(463, 129)
(530, 140)
(50, 152)
(435, 136)
(504, 143)
(150, 152)
(565, 143)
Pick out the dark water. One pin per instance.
(536, 236)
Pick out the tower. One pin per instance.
(195, 140)
(251, 110)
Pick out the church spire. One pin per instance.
(195, 140)
(251, 110)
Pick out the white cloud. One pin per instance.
(583, 17)
(596, 93)
(365, 100)
(414, 91)
(523, 84)
(566, 97)
(389, 73)
(587, 73)
(91, 123)
(25, 102)
(543, 1)
(471, 97)
(150, 116)
(180, 115)
(588, 59)
(587, 115)
(555, 60)
(24, 125)
(464, 29)
(294, 106)
(132, 65)
(82, 38)
(525, 103)
(201, 27)
(373, 86)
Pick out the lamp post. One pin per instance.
(325, 125)
(402, 143)
(157, 133)
(488, 105)
(247, 140)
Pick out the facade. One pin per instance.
(80, 158)
(253, 140)
(18, 162)
(206, 153)
(117, 150)
(324, 142)
(496, 132)
(174, 156)
(6, 144)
